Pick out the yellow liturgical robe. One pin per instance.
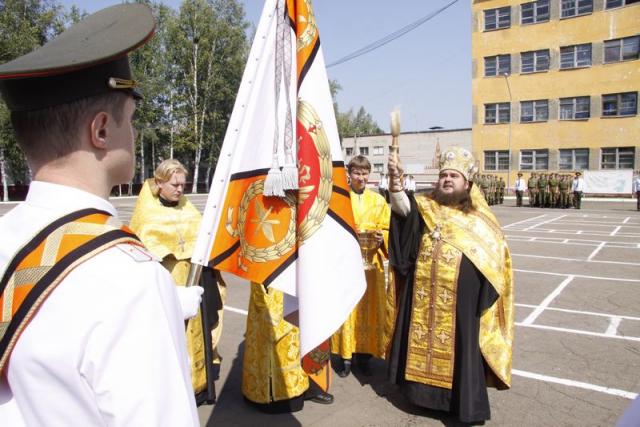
(170, 233)
(368, 327)
(271, 369)
(478, 236)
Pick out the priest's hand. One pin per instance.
(395, 174)
(379, 238)
(190, 298)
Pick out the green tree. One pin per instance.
(209, 47)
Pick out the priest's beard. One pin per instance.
(460, 200)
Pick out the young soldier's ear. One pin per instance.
(99, 130)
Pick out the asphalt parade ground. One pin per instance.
(577, 345)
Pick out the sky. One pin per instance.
(426, 73)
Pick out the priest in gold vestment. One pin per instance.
(168, 223)
(454, 331)
(366, 331)
(273, 379)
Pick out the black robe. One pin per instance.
(468, 398)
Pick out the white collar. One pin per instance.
(65, 199)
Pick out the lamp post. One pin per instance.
(506, 79)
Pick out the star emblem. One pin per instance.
(443, 337)
(421, 293)
(264, 223)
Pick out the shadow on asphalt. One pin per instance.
(231, 410)
(380, 384)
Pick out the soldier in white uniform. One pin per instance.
(92, 327)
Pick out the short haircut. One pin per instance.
(53, 132)
(164, 172)
(359, 162)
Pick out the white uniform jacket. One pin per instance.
(107, 348)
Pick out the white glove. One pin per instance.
(190, 298)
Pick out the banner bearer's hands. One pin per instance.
(190, 298)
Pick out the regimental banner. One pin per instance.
(303, 241)
(608, 181)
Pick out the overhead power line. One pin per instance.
(391, 37)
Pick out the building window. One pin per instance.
(617, 158)
(576, 7)
(537, 60)
(364, 151)
(496, 160)
(575, 56)
(534, 111)
(534, 12)
(617, 3)
(497, 65)
(574, 159)
(495, 19)
(620, 104)
(378, 150)
(575, 108)
(534, 159)
(348, 151)
(497, 113)
(624, 49)
(378, 167)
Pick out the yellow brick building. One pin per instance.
(555, 85)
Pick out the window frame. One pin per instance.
(535, 54)
(623, 3)
(535, 6)
(630, 153)
(609, 44)
(576, 8)
(378, 167)
(363, 151)
(535, 155)
(619, 104)
(499, 108)
(575, 56)
(378, 150)
(498, 59)
(497, 156)
(574, 165)
(535, 104)
(499, 12)
(574, 107)
(348, 151)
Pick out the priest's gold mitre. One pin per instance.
(459, 159)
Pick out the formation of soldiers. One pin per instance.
(550, 190)
(491, 186)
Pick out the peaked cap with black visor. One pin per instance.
(88, 59)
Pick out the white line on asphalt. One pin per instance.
(524, 220)
(588, 313)
(236, 310)
(584, 233)
(596, 250)
(545, 303)
(612, 330)
(577, 242)
(582, 276)
(577, 384)
(579, 332)
(543, 222)
(579, 232)
(576, 259)
(565, 241)
(626, 219)
(613, 233)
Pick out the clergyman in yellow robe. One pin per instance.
(169, 230)
(454, 327)
(367, 329)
